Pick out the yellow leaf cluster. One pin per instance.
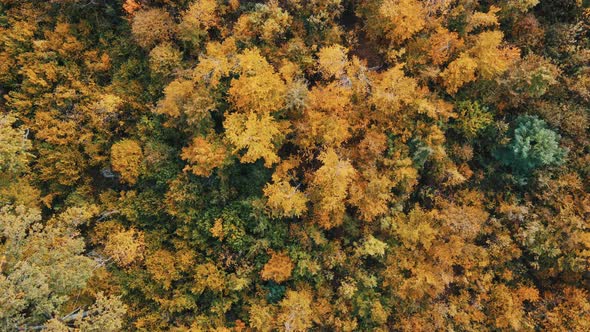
(278, 268)
(332, 60)
(393, 90)
(255, 133)
(125, 247)
(208, 276)
(403, 18)
(126, 159)
(203, 156)
(330, 184)
(459, 72)
(259, 88)
(490, 57)
(442, 44)
(284, 200)
(152, 26)
(296, 313)
(371, 194)
(479, 19)
(161, 265)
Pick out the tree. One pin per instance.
(278, 268)
(165, 59)
(203, 156)
(296, 311)
(571, 311)
(151, 26)
(126, 159)
(443, 44)
(394, 90)
(402, 18)
(258, 89)
(332, 61)
(131, 6)
(492, 59)
(197, 20)
(329, 187)
(259, 135)
(472, 118)
(42, 265)
(284, 200)
(125, 247)
(105, 314)
(14, 147)
(532, 145)
(460, 71)
(371, 194)
(185, 99)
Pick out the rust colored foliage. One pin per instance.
(278, 268)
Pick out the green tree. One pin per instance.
(532, 145)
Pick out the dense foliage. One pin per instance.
(290, 165)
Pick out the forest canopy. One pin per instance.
(294, 165)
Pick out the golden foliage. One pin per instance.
(183, 98)
(164, 59)
(459, 72)
(479, 19)
(131, 6)
(161, 265)
(393, 90)
(278, 268)
(151, 26)
(261, 317)
(402, 18)
(491, 58)
(259, 88)
(442, 45)
(572, 312)
(126, 159)
(284, 200)
(382, 218)
(125, 247)
(296, 312)
(208, 276)
(258, 134)
(200, 16)
(332, 61)
(330, 185)
(14, 146)
(371, 194)
(203, 156)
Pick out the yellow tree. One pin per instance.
(404, 17)
(329, 188)
(371, 193)
(152, 26)
(332, 61)
(197, 20)
(14, 146)
(126, 159)
(296, 312)
(278, 268)
(125, 247)
(259, 88)
(203, 156)
(492, 59)
(459, 72)
(285, 200)
(442, 45)
(259, 135)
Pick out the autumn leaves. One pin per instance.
(259, 121)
